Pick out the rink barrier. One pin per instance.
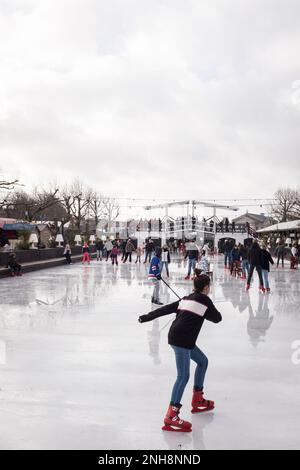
(33, 260)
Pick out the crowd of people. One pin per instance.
(242, 260)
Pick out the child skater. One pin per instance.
(114, 255)
(191, 311)
(86, 254)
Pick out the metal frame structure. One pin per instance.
(188, 203)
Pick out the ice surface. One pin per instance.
(77, 371)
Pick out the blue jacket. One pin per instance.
(154, 267)
(235, 255)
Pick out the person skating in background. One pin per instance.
(108, 247)
(129, 250)
(244, 254)
(294, 256)
(139, 252)
(192, 253)
(68, 253)
(255, 260)
(235, 258)
(165, 259)
(155, 276)
(114, 255)
(86, 253)
(149, 249)
(206, 248)
(13, 265)
(191, 311)
(122, 248)
(227, 250)
(203, 263)
(99, 249)
(280, 252)
(266, 260)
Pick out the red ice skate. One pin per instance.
(268, 290)
(262, 289)
(247, 287)
(199, 404)
(187, 278)
(173, 423)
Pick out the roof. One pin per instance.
(282, 227)
(42, 227)
(4, 221)
(258, 217)
(18, 226)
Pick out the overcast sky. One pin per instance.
(169, 99)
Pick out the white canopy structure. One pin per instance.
(281, 227)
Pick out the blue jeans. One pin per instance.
(166, 264)
(245, 267)
(183, 358)
(265, 275)
(192, 265)
(227, 257)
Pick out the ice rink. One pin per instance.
(77, 370)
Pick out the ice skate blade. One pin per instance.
(197, 410)
(169, 428)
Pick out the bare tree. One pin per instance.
(111, 211)
(287, 204)
(97, 206)
(6, 187)
(76, 200)
(30, 207)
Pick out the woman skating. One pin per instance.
(191, 311)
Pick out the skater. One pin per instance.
(191, 312)
(13, 265)
(280, 252)
(204, 263)
(86, 253)
(227, 250)
(114, 255)
(245, 261)
(206, 248)
(68, 253)
(149, 249)
(235, 259)
(139, 252)
(108, 247)
(99, 249)
(265, 265)
(294, 256)
(165, 259)
(192, 254)
(128, 250)
(255, 259)
(155, 276)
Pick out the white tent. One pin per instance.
(281, 227)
